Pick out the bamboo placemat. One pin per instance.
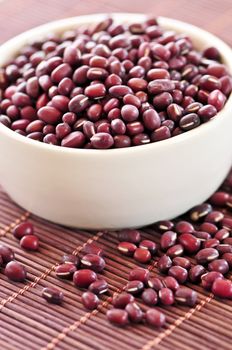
(28, 322)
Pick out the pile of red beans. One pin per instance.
(112, 85)
(195, 248)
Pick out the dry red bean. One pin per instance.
(209, 82)
(118, 317)
(222, 234)
(226, 85)
(147, 244)
(189, 122)
(160, 134)
(49, 115)
(92, 248)
(62, 71)
(32, 87)
(128, 235)
(38, 136)
(121, 141)
(160, 85)
(132, 100)
(127, 248)
(137, 84)
(78, 103)
(151, 119)
(227, 223)
(121, 300)
(162, 100)
(15, 271)
(181, 261)
(171, 283)
(212, 53)
(29, 242)
(155, 283)
(222, 288)
(224, 248)
(149, 297)
(134, 287)
(164, 263)
(83, 278)
(211, 243)
(200, 211)
(140, 139)
(186, 296)
(206, 255)
(203, 236)
(135, 128)
(208, 279)
(20, 124)
(217, 99)
(51, 139)
(75, 139)
(190, 243)
(196, 272)
(166, 296)
(90, 300)
(134, 312)
(207, 112)
(93, 262)
(102, 140)
(20, 99)
(220, 265)
(139, 274)
(184, 227)
(71, 55)
(120, 90)
(5, 120)
(179, 273)
(163, 226)
(168, 239)
(70, 259)
(65, 271)
(118, 126)
(95, 91)
(229, 202)
(53, 295)
(227, 241)
(62, 130)
(60, 103)
(228, 258)
(142, 255)
(155, 318)
(158, 73)
(65, 87)
(214, 217)
(6, 253)
(208, 227)
(129, 113)
(35, 126)
(175, 250)
(23, 229)
(175, 112)
(217, 69)
(98, 287)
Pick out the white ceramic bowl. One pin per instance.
(120, 187)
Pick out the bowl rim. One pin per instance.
(70, 22)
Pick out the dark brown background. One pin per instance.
(27, 322)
